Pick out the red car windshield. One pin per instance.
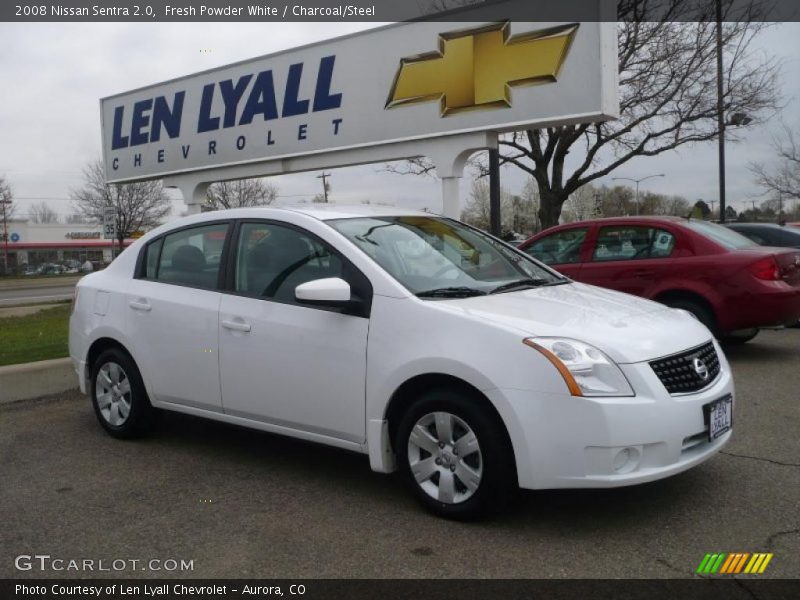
(721, 235)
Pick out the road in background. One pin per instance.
(241, 503)
(22, 291)
(35, 295)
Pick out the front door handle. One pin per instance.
(140, 304)
(237, 326)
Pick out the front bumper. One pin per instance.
(562, 441)
(80, 370)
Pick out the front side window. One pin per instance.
(632, 243)
(561, 247)
(191, 256)
(272, 260)
(430, 255)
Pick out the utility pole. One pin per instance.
(5, 236)
(324, 176)
(712, 203)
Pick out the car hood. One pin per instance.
(627, 328)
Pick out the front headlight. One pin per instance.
(585, 369)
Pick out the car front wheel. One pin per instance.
(118, 395)
(455, 455)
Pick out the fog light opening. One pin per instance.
(626, 460)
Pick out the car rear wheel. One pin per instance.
(455, 456)
(118, 395)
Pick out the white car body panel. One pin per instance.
(328, 377)
(174, 339)
(265, 371)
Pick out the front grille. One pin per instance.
(678, 372)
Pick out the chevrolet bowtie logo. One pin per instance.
(476, 69)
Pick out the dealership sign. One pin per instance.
(404, 82)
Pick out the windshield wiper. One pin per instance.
(451, 292)
(526, 283)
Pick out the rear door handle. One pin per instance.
(643, 273)
(140, 304)
(236, 326)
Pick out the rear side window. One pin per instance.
(151, 258)
(727, 238)
(562, 247)
(632, 243)
(191, 256)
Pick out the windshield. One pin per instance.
(438, 257)
(722, 235)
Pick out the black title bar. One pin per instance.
(745, 588)
(276, 11)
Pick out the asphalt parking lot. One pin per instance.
(247, 504)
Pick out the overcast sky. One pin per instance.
(54, 74)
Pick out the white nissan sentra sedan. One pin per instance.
(415, 339)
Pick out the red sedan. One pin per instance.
(727, 281)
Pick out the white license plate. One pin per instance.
(720, 417)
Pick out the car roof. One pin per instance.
(629, 219)
(323, 212)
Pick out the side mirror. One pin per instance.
(332, 291)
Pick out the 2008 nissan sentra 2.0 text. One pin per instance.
(422, 342)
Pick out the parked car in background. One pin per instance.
(420, 341)
(768, 234)
(727, 281)
(50, 269)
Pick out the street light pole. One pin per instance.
(720, 115)
(637, 182)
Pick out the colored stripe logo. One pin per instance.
(733, 563)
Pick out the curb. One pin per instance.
(32, 380)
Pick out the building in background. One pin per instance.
(35, 244)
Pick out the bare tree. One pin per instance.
(782, 178)
(667, 93)
(428, 7)
(6, 213)
(517, 211)
(581, 204)
(7, 199)
(42, 213)
(139, 206)
(240, 193)
(76, 218)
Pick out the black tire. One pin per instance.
(140, 414)
(703, 314)
(494, 456)
(739, 337)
